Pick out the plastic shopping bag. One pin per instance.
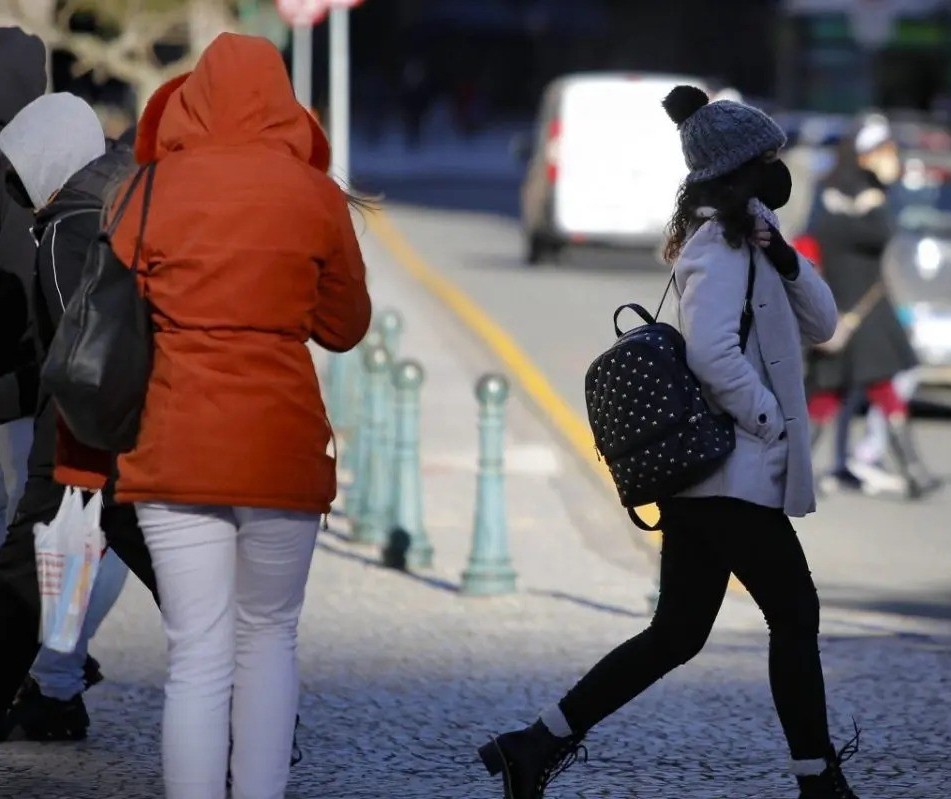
(68, 551)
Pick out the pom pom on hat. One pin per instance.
(719, 137)
(683, 102)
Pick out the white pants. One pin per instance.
(231, 582)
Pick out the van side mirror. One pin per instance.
(520, 147)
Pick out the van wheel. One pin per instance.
(540, 250)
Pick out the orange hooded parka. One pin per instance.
(249, 251)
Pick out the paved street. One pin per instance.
(404, 677)
(880, 554)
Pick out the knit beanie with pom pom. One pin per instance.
(721, 136)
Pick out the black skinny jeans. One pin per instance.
(704, 541)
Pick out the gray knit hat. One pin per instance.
(721, 136)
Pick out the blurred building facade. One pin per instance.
(845, 55)
(490, 59)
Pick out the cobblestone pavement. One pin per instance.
(404, 677)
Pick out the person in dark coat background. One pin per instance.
(852, 224)
(22, 80)
(58, 163)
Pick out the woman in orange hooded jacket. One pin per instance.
(248, 252)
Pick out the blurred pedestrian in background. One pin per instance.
(852, 224)
(248, 252)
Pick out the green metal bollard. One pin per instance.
(375, 480)
(353, 459)
(390, 326)
(490, 568)
(408, 544)
(342, 374)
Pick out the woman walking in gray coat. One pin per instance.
(737, 520)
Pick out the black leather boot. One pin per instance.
(831, 783)
(92, 673)
(530, 759)
(918, 479)
(44, 719)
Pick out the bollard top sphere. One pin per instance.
(390, 321)
(408, 374)
(374, 338)
(376, 359)
(492, 389)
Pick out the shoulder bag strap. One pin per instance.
(146, 202)
(124, 202)
(869, 300)
(746, 317)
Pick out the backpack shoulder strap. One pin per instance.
(647, 528)
(746, 317)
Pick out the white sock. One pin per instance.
(556, 722)
(807, 768)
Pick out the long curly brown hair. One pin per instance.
(728, 195)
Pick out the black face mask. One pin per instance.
(774, 184)
(17, 191)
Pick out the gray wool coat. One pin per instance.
(762, 389)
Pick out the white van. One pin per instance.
(606, 163)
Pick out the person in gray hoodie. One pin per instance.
(22, 80)
(61, 167)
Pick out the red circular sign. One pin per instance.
(310, 12)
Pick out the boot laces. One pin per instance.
(846, 753)
(563, 760)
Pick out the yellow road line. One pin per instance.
(566, 420)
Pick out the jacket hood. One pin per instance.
(49, 141)
(22, 71)
(239, 92)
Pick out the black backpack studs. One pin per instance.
(651, 422)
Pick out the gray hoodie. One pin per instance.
(36, 147)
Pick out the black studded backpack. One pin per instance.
(650, 420)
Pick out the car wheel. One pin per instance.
(540, 250)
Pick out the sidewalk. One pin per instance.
(403, 677)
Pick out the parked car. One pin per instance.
(917, 263)
(605, 165)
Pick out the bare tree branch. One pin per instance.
(130, 56)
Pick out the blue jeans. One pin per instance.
(16, 438)
(60, 675)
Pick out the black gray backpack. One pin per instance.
(650, 420)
